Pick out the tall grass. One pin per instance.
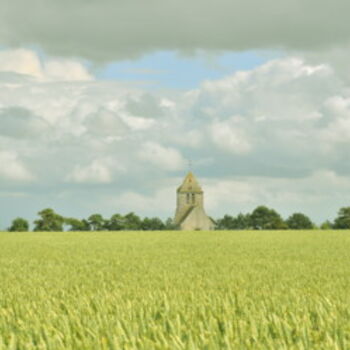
(175, 290)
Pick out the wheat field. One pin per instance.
(175, 290)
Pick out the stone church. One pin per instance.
(190, 214)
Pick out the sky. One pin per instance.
(104, 104)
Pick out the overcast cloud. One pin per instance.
(104, 30)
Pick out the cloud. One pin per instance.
(229, 136)
(12, 168)
(154, 204)
(164, 157)
(107, 30)
(20, 122)
(145, 105)
(27, 62)
(308, 194)
(106, 122)
(96, 172)
(277, 134)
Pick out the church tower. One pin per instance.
(190, 213)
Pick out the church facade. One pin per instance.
(190, 214)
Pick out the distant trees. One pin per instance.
(264, 218)
(19, 225)
(240, 222)
(76, 224)
(49, 221)
(299, 221)
(261, 218)
(132, 222)
(96, 222)
(327, 225)
(115, 223)
(342, 221)
(152, 224)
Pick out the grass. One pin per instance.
(175, 290)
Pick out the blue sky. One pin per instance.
(168, 69)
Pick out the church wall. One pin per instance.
(197, 220)
(185, 201)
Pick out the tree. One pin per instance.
(116, 223)
(299, 221)
(49, 221)
(343, 219)
(263, 218)
(77, 225)
(169, 224)
(152, 224)
(132, 222)
(96, 222)
(239, 222)
(19, 225)
(225, 223)
(327, 225)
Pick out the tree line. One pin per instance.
(264, 218)
(261, 218)
(49, 220)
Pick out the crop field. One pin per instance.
(175, 290)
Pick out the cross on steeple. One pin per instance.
(190, 165)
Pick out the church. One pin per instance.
(190, 214)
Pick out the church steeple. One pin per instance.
(190, 214)
(190, 184)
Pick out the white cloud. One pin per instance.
(96, 172)
(319, 194)
(266, 136)
(27, 62)
(11, 167)
(154, 204)
(229, 136)
(164, 157)
(65, 70)
(19, 122)
(21, 61)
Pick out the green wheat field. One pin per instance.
(175, 290)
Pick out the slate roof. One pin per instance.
(190, 184)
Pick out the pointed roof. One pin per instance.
(190, 184)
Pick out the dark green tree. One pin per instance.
(96, 222)
(49, 221)
(226, 223)
(19, 225)
(116, 223)
(299, 221)
(343, 219)
(152, 224)
(76, 224)
(132, 222)
(239, 222)
(169, 224)
(264, 218)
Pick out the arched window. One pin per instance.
(193, 198)
(188, 198)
